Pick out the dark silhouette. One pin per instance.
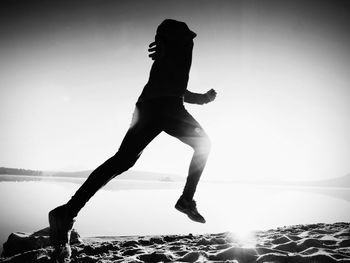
(159, 108)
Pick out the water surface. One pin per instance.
(142, 208)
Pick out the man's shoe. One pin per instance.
(61, 254)
(190, 209)
(61, 224)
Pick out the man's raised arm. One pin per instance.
(198, 98)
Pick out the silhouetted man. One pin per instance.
(160, 107)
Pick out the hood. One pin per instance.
(172, 29)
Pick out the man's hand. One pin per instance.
(211, 95)
(156, 50)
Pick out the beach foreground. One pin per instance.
(299, 243)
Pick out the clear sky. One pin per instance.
(71, 72)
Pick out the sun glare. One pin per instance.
(244, 237)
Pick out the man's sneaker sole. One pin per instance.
(188, 213)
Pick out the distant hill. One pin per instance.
(16, 171)
(343, 181)
(128, 175)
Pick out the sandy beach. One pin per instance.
(299, 243)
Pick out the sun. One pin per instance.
(244, 237)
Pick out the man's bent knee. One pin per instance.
(202, 145)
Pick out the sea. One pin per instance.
(136, 207)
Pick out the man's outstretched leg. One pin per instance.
(61, 219)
